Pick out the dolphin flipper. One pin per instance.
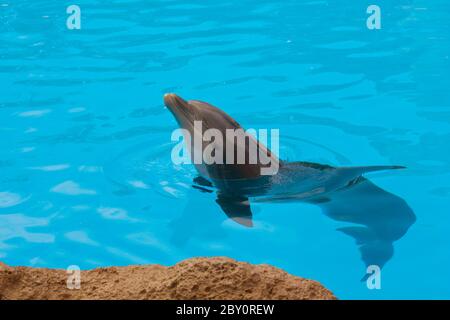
(236, 208)
(202, 184)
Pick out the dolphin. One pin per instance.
(343, 194)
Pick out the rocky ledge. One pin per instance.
(196, 278)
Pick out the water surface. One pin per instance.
(86, 176)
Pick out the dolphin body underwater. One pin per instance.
(342, 193)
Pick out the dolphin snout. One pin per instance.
(171, 100)
(179, 107)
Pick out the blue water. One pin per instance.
(86, 176)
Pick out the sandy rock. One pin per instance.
(196, 278)
(3, 267)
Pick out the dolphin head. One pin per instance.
(186, 112)
(190, 113)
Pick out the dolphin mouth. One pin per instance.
(179, 107)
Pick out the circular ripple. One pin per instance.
(148, 165)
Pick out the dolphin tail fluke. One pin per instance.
(374, 250)
(236, 208)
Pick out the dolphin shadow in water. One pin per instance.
(380, 218)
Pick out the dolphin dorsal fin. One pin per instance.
(358, 171)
